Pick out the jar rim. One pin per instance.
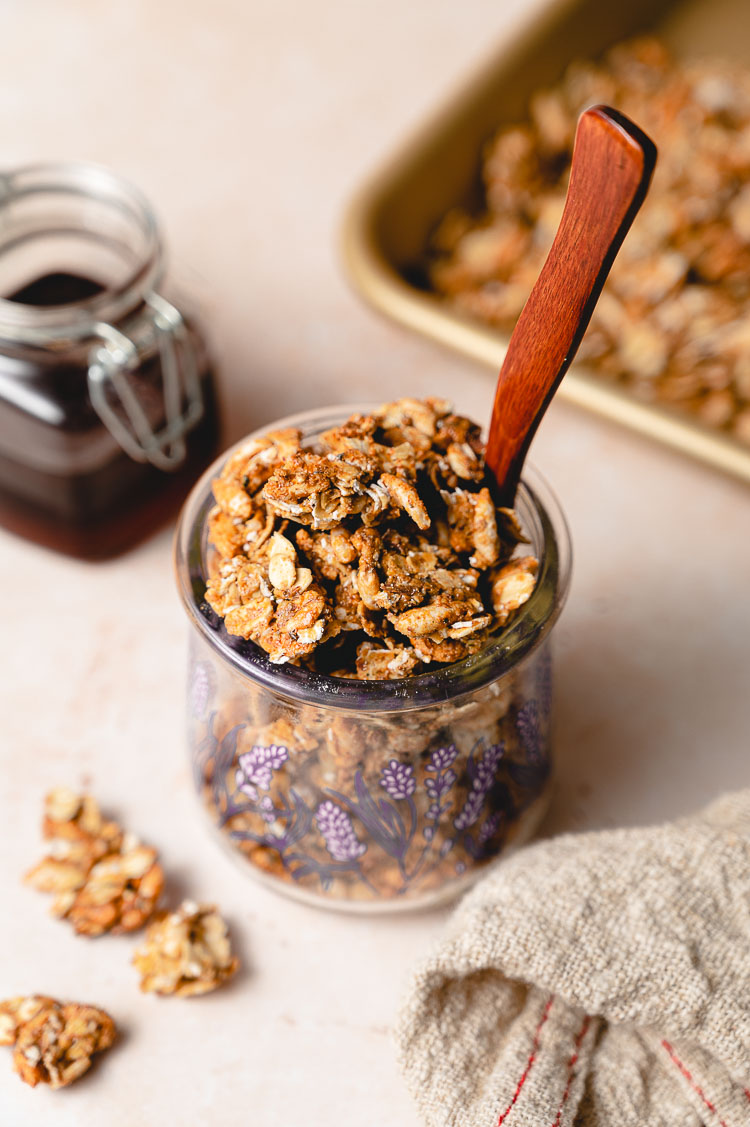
(37, 325)
(503, 652)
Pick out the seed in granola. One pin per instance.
(186, 952)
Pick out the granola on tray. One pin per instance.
(671, 324)
(373, 555)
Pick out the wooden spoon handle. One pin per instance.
(610, 174)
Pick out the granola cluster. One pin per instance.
(185, 952)
(53, 1042)
(103, 879)
(672, 323)
(375, 553)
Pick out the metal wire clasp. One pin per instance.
(108, 380)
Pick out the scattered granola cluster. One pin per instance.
(672, 321)
(371, 555)
(103, 878)
(185, 952)
(53, 1042)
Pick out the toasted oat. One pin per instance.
(103, 879)
(53, 1041)
(78, 820)
(185, 952)
(379, 663)
(15, 1012)
(513, 585)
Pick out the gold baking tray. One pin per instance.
(387, 227)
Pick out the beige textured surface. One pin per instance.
(249, 126)
(595, 980)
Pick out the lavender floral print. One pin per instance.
(398, 779)
(256, 767)
(483, 774)
(403, 822)
(530, 730)
(338, 832)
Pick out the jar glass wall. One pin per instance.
(372, 795)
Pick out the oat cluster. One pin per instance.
(371, 555)
(103, 879)
(672, 321)
(185, 952)
(53, 1042)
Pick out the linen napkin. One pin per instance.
(594, 980)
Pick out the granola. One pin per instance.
(103, 879)
(671, 324)
(370, 556)
(185, 952)
(53, 1042)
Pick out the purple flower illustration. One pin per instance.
(338, 832)
(201, 689)
(486, 768)
(438, 786)
(484, 773)
(472, 808)
(442, 757)
(489, 828)
(529, 730)
(257, 766)
(398, 779)
(266, 809)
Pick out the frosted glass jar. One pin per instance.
(372, 795)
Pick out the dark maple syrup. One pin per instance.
(65, 482)
(57, 288)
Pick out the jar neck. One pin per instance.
(79, 220)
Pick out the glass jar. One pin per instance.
(371, 795)
(107, 409)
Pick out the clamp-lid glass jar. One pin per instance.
(371, 795)
(107, 407)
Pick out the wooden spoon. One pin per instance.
(610, 173)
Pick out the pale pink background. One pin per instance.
(249, 126)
